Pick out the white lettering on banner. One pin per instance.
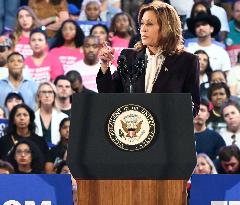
(13, 202)
(225, 202)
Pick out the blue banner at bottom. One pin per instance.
(35, 189)
(215, 189)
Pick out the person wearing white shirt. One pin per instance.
(204, 27)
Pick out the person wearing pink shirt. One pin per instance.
(42, 65)
(68, 43)
(26, 20)
(123, 29)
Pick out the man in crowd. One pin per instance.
(89, 66)
(16, 82)
(207, 141)
(231, 115)
(76, 82)
(205, 26)
(64, 93)
(229, 160)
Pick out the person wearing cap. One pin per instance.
(16, 82)
(6, 49)
(205, 26)
(12, 99)
(73, 11)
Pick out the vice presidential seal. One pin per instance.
(131, 127)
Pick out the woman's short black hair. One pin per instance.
(216, 86)
(39, 30)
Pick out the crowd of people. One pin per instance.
(49, 49)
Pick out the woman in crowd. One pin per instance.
(102, 32)
(57, 152)
(53, 11)
(26, 20)
(21, 126)
(42, 65)
(48, 116)
(26, 158)
(167, 69)
(204, 165)
(68, 43)
(205, 71)
(122, 29)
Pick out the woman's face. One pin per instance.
(149, 29)
(92, 11)
(101, 33)
(202, 166)
(122, 24)
(38, 42)
(46, 95)
(69, 31)
(25, 20)
(22, 118)
(203, 60)
(218, 97)
(64, 131)
(23, 155)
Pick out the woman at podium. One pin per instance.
(160, 66)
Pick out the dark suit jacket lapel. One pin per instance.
(140, 85)
(165, 73)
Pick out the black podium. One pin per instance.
(93, 158)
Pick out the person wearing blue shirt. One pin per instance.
(16, 82)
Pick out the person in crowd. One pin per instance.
(52, 11)
(205, 71)
(231, 115)
(73, 11)
(6, 167)
(218, 94)
(232, 41)
(76, 82)
(42, 65)
(26, 158)
(2, 113)
(16, 82)
(162, 45)
(13, 99)
(101, 31)
(6, 48)
(48, 116)
(8, 10)
(205, 26)
(26, 20)
(21, 126)
(93, 11)
(64, 93)
(197, 7)
(108, 9)
(122, 29)
(222, 16)
(233, 78)
(89, 66)
(57, 152)
(229, 160)
(207, 141)
(63, 168)
(218, 76)
(204, 165)
(68, 43)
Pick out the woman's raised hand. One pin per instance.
(105, 56)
